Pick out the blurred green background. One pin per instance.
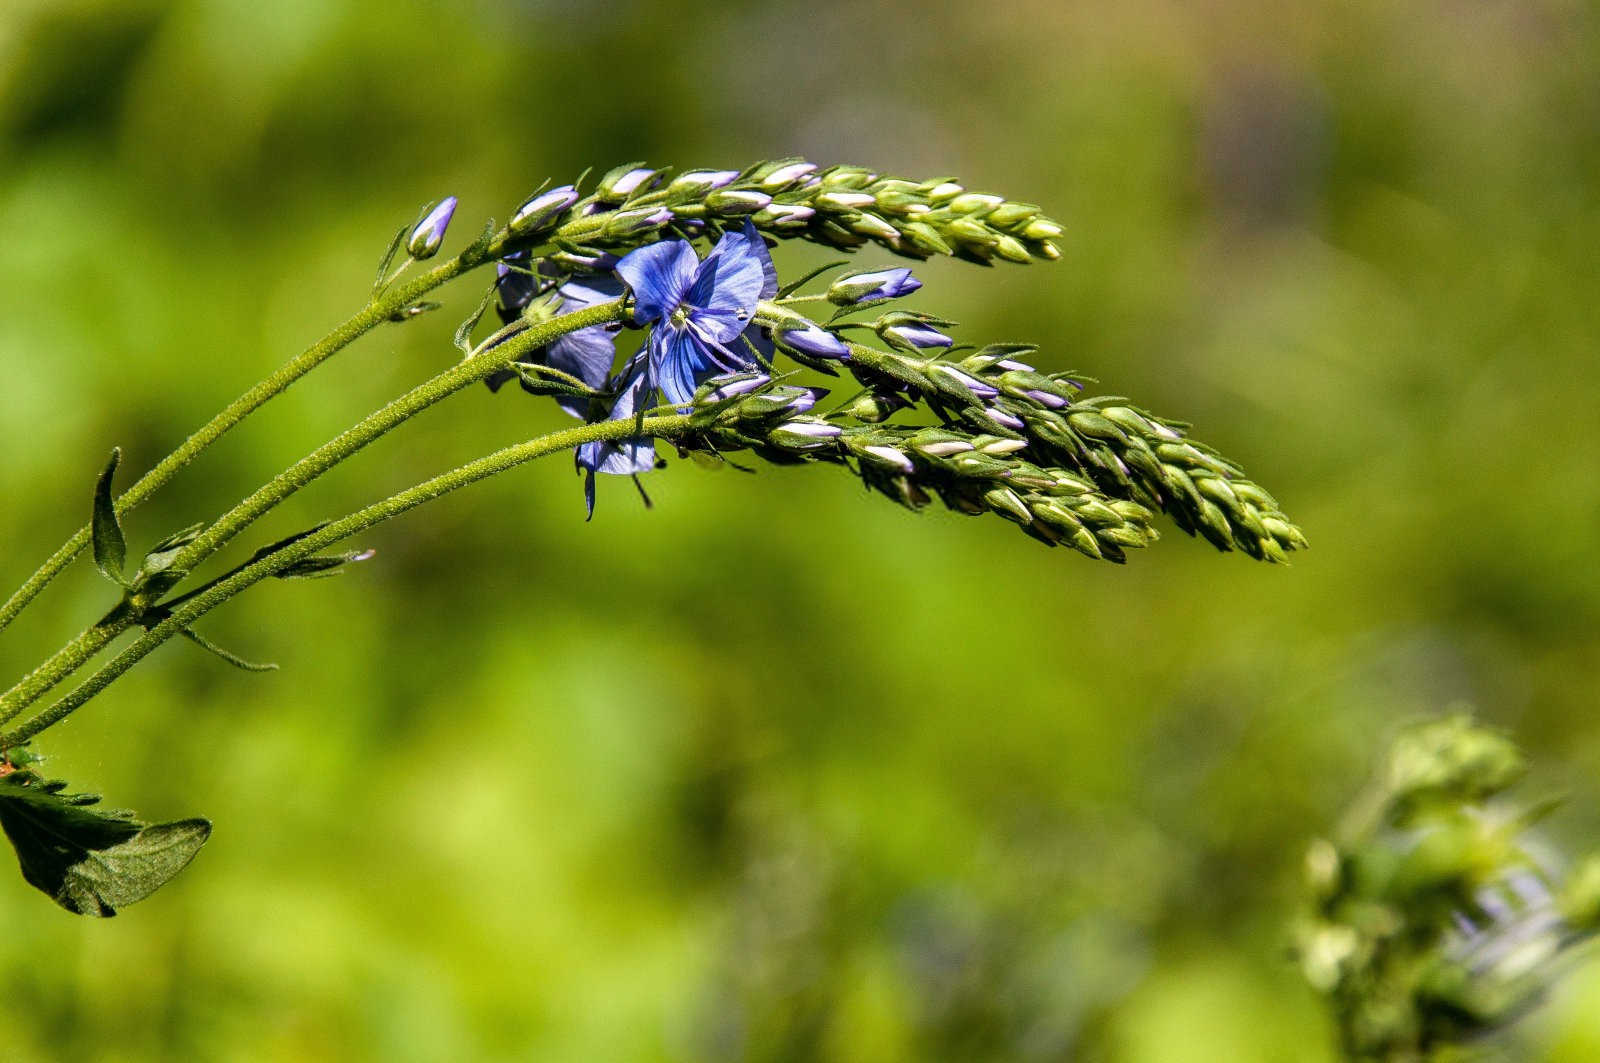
(777, 771)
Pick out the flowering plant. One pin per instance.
(681, 263)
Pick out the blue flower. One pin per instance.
(700, 311)
(587, 353)
(700, 308)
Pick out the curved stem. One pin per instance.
(73, 655)
(381, 421)
(378, 310)
(658, 427)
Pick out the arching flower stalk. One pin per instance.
(650, 308)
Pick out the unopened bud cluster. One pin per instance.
(1126, 452)
(841, 206)
(970, 472)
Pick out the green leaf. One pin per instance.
(388, 257)
(794, 286)
(162, 554)
(232, 658)
(321, 566)
(110, 549)
(92, 862)
(463, 336)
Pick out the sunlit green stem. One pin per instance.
(381, 308)
(665, 427)
(66, 660)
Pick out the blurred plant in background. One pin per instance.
(1440, 916)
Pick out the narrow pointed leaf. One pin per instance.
(110, 549)
(232, 658)
(321, 566)
(287, 540)
(463, 336)
(388, 258)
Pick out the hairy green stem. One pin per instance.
(64, 662)
(663, 427)
(378, 310)
(70, 657)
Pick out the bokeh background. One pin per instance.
(777, 771)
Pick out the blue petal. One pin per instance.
(588, 289)
(515, 286)
(678, 358)
(729, 283)
(586, 354)
(659, 274)
(625, 456)
(769, 272)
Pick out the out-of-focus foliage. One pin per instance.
(1439, 917)
(863, 785)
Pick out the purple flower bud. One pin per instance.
(539, 211)
(977, 388)
(943, 448)
(845, 201)
(1044, 398)
(736, 201)
(617, 186)
(593, 262)
(813, 340)
(699, 182)
(856, 288)
(1004, 419)
(785, 216)
(814, 429)
(1014, 366)
(895, 459)
(631, 222)
(806, 398)
(1004, 446)
(427, 236)
(743, 384)
(911, 335)
(804, 435)
(787, 175)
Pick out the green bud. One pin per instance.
(972, 233)
(1008, 504)
(1127, 536)
(875, 227)
(1009, 216)
(1013, 250)
(872, 408)
(848, 177)
(975, 203)
(733, 202)
(1041, 229)
(1091, 424)
(900, 204)
(1132, 512)
(924, 239)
